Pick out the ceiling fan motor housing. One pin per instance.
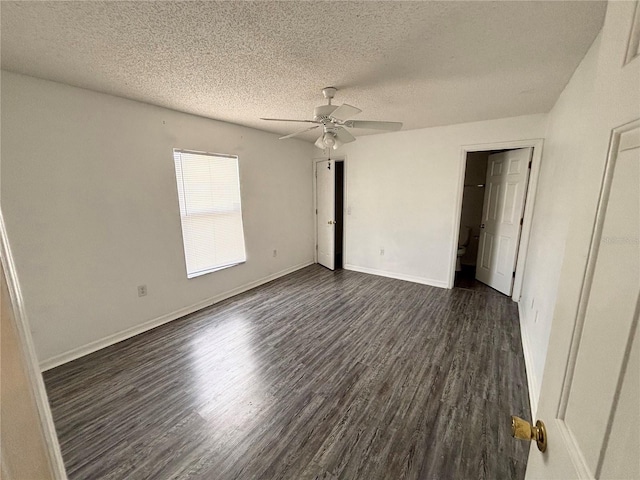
(321, 113)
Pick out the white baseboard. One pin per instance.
(156, 322)
(398, 276)
(532, 380)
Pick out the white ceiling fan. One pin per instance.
(333, 119)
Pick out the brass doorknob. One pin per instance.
(523, 430)
(331, 222)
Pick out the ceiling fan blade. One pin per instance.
(343, 135)
(391, 126)
(299, 132)
(319, 143)
(344, 111)
(288, 120)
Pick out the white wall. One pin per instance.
(558, 176)
(90, 203)
(403, 193)
(601, 95)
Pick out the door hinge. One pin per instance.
(316, 211)
(316, 246)
(514, 274)
(521, 220)
(530, 163)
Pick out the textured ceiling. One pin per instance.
(422, 63)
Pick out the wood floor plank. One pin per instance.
(316, 375)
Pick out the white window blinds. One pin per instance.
(210, 211)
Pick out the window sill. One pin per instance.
(211, 270)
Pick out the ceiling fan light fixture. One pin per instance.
(329, 140)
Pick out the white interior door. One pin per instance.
(325, 202)
(593, 415)
(505, 190)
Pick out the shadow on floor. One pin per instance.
(466, 279)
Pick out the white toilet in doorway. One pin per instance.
(463, 242)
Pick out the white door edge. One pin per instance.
(31, 361)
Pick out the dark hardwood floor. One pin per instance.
(318, 374)
(466, 278)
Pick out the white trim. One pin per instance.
(532, 379)
(525, 233)
(156, 322)
(101, 343)
(34, 377)
(397, 276)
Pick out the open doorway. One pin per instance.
(470, 220)
(494, 195)
(330, 185)
(339, 214)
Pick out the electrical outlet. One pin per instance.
(381, 251)
(275, 252)
(142, 290)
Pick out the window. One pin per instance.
(210, 211)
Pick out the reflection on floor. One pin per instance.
(467, 279)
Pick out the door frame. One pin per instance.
(536, 158)
(315, 162)
(34, 375)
